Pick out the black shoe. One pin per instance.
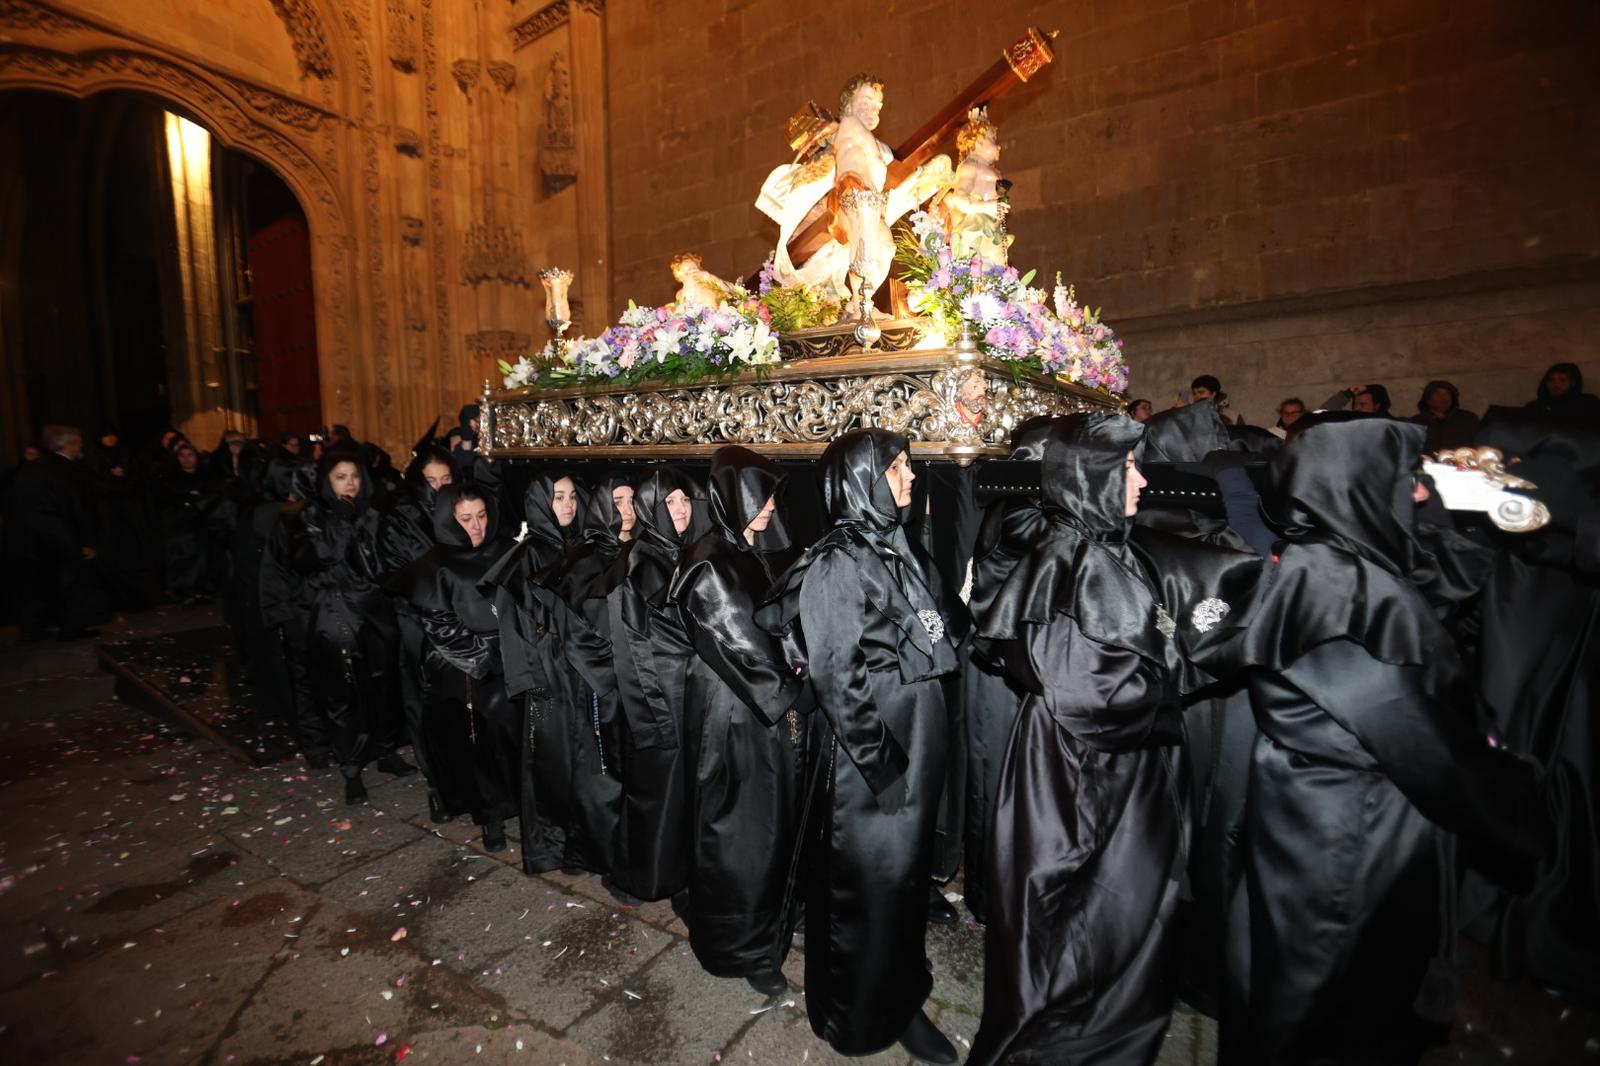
(768, 982)
(926, 1044)
(572, 870)
(940, 910)
(76, 633)
(355, 790)
(319, 759)
(494, 836)
(393, 763)
(438, 815)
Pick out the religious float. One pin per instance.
(967, 348)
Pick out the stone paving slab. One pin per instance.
(585, 956)
(164, 997)
(672, 1011)
(956, 952)
(783, 1035)
(313, 837)
(209, 872)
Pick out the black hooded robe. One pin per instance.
(1539, 673)
(470, 726)
(875, 652)
(405, 535)
(745, 738)
(569, 802)
(1365, 760)
(653, 656)
(990, 697)
(1090, 826)
(351, 639)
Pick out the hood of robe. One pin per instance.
(1027, 440)
(541, 519)
(447, 531)
(427, 455)
(1185, 434)
(1350, 482)
(652, 522)
(741, 484)
(854, 490)
(332, 458)
(1083, 479)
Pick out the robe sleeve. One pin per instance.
(1432, 753)
(749, 660)
(452, 641)
(833, 614)
(277, 584)
(1109, 698)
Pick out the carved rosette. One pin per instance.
(793, 409)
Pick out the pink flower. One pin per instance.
(662, 314)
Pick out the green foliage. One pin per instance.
(799, 307)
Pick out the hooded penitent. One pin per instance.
(1538, 672)
(1009, 528)
(1089, 819)
(651, 656)
(745, 738)
(469, 727)
(875, 647)
(1365, 756)
(351, 630)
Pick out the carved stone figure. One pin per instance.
(558, 144)
(698, 286)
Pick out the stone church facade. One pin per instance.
(1292, 195)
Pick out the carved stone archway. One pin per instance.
(44, 49)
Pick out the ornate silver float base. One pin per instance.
(791, 410)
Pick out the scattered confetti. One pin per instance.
(400, 933)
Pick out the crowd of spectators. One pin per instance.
(93, 526)
(1560, 395)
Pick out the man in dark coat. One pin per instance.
(51, 537)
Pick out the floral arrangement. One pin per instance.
(792, 307)
(657, 344)
(1009, 320)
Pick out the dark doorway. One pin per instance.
(98, 280)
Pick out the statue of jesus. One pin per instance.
(842, 169)
(860, 165)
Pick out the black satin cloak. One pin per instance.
(1090, 826)
(405, 535)
(652, 656)
(350, 636)
(575, 590)
(568, 814)
(744, 737)
(470, 726)
(875, 652)
(1365, 756)
(1539, 673)
(990, 698)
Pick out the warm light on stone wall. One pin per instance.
(196, 386)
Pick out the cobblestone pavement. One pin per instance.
(162, 903)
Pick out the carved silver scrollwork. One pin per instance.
(797, 407)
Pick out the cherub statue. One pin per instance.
(698, 287)
(975, 205)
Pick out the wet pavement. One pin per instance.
(163, 902)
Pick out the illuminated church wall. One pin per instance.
(1293, 194)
